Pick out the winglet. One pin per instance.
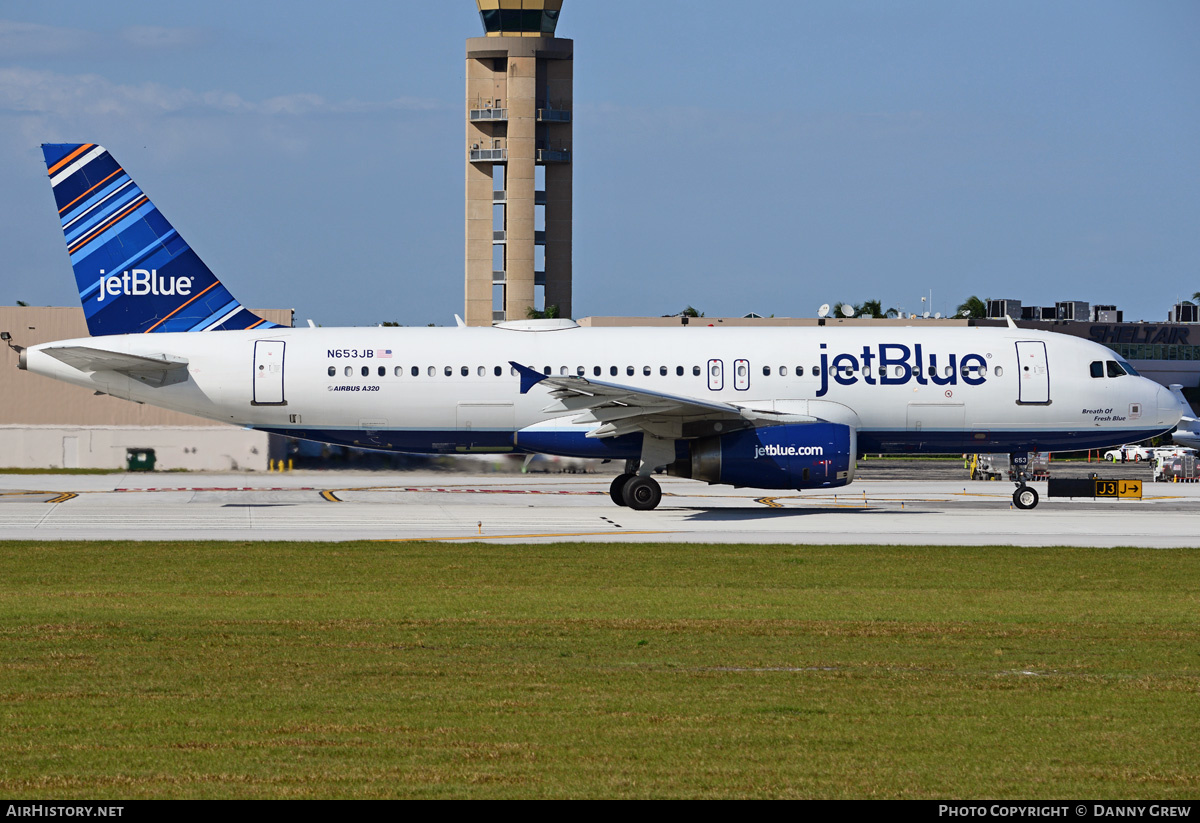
(1011, 323)
(458, 321)
(529, 377)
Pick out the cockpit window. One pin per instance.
(1128, 368)
(1114, 369)
(1097, 368)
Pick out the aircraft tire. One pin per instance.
(642, 493)
(617, 490)
(1025, 497)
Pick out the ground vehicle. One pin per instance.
(1129, 454)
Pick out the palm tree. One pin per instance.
(691, 312)
(973, 306)
(1196, 296)
(549, 313)
(870, 308)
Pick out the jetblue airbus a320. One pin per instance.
(769, 408)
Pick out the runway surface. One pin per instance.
(336, 506)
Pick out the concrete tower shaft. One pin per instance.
(519, 101)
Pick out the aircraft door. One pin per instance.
(716, 375)
(1033, 372)
(268, 373)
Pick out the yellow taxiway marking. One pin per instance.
(768, 501)
(63, 498)
(330, 496)
(507, 536)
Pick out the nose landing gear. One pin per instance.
(1025, 497)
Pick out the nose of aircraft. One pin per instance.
(1170, 410)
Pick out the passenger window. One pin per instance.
(866, 371)
(1097, 368)
(579, 371)
(481, 371)
(498, 371)
(366, 370)
(416, 371)
(512, 370)
(382, 371)
(949, 370)
(799, 371)
(432, 371)
(662, 371)
(546, 371)
(448, 371)
(783, 371)
(1114, 369)
(612, 371)
(399, 371)
(716, 370)
(999, 371)
(766, 371)
(645, 371)
(695, 371)
(816, 371)
(562, 370)
(629, 371)
(349, 371)
(332, 371)
(465, 371)
(595, 371)
(679, 371)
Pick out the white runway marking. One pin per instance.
(415, 506)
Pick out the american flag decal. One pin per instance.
(383, 352)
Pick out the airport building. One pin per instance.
(518, 163)
(46, 423)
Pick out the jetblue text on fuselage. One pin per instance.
(894, 364)
(141, 281)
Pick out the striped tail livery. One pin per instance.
(135, 273)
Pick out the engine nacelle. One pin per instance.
(798, 456)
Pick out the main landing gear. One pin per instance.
(640, 492)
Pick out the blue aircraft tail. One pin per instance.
(135, 273)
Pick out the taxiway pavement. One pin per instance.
(409, 506)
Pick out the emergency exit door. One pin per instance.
(268, 373)
(1033, 373)
(716, 375)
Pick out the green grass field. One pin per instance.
(572, 670)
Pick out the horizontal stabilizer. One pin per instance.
(159, 370)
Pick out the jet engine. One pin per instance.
(794, 456)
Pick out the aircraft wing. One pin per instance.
(617, 409)
(160, 370)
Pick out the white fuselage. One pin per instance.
(452, 389)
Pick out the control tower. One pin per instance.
(518, 181)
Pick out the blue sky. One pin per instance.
(763, 157)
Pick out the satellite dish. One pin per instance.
(847, 310)
(925, 315)
(965, 313)
(823, 311)
(937, 316)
